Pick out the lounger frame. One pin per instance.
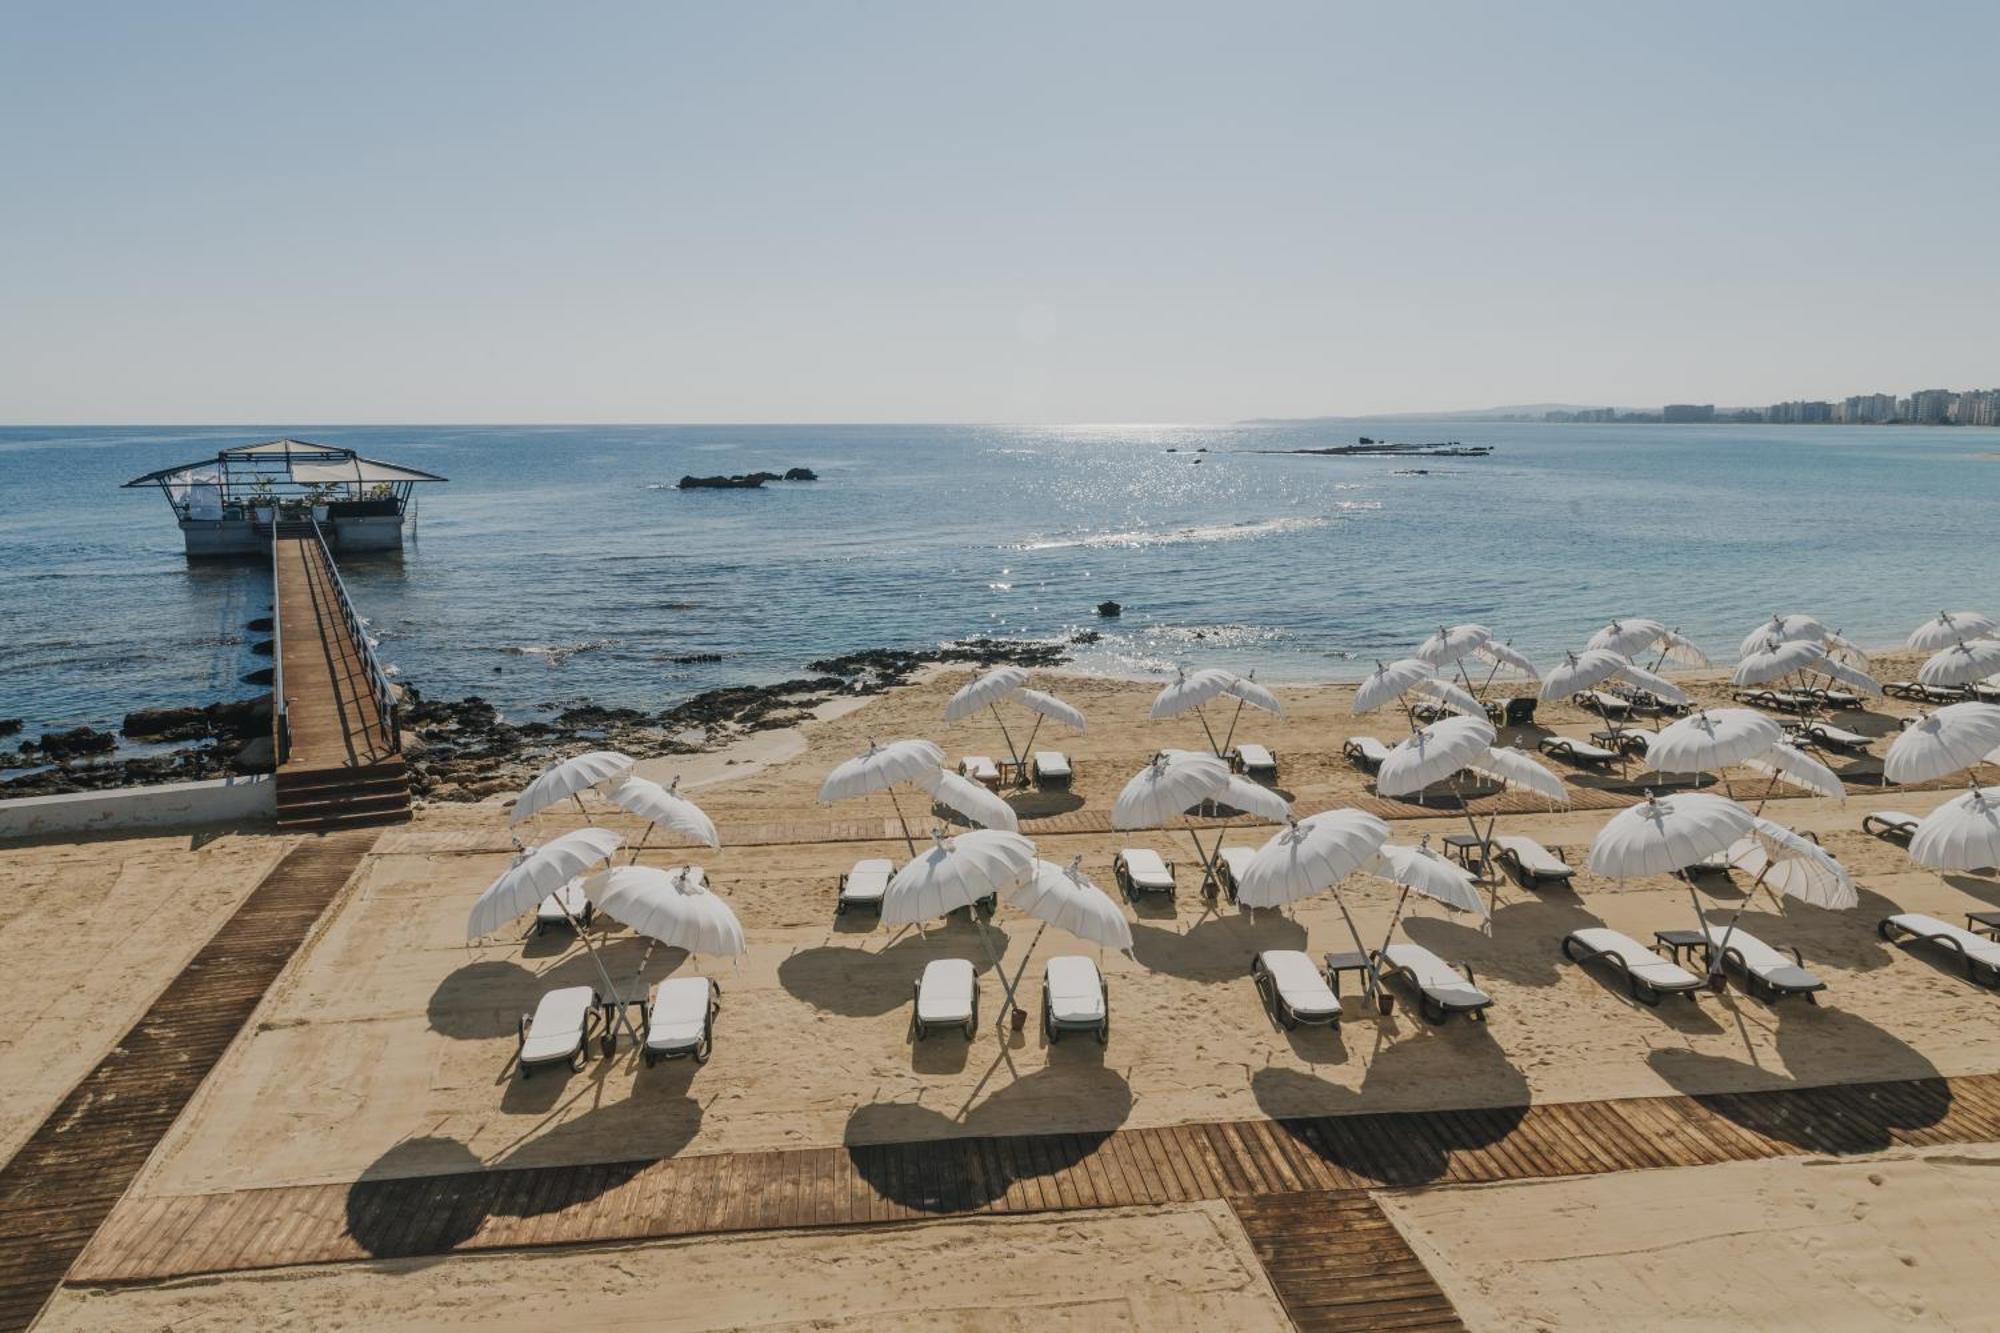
(1282, 1013)
(1510, 859)
(1645, 992)
(701, 1050)
(922, 1029)
(1131, 889)
(1433, 1010)
(576, 1059)
(1887, 828)
(1053, 1027)
(1763, 988)
(1977, 971)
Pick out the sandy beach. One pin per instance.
(386, 1047)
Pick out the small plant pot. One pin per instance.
(1019, 1020)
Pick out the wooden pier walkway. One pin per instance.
(65, 1180)
(158, 1238)
(343, 766)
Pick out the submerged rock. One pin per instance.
(76, 742)
(1109, 609)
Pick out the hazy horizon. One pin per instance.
(887, 214)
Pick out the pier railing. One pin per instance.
(378, 679)
(281, 722)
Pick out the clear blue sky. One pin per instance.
(1018, 212)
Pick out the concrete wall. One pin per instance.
(164, 809)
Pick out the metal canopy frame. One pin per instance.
(255, 476)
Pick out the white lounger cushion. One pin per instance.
(1587, 750)
(1532, 856)
(1237, 859)
(1437, 978)
(1759, 958)
(1255, 758)
(1300, 985)
(1370, 748)
(558, 1025)
(680, 1013)
(1604, 702)
(1052, 763)
(1075, 990)
(1640, 961)
(570, 895)
(979, 766)
(944, 995)
(1975, 946)
(868, 881)
(1145, 867)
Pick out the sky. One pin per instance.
(1066, 212)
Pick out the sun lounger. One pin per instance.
(1254, 761)
(864, 885)
(1647, 975)
(1986, 691)
(1653, 703)
(559, 1030)
(1366, 751)
(1140, 870)
(1578, 752)
(680, 1019)
(1921, 693)
(1052, 768)
(1441, 991)
(1232, 862)
(947, 996)
(1827, 734)
(1604, 704)
(1427, 712)
(981, 769)
(1979, 955)
(549, 912)
(1837, 699)
(1075, 999)
(1770, 974)
(1294, 991)
(1889, 824)
(1530, 861)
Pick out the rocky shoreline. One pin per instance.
(464, 749)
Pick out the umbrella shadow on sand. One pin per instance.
(1218, 949)
(1346, 1127)
(867, 983)
(922, 1158)
(1522, 947)
(486, 999)
(1819, 1047)
(428, 1195)
(1824, 934)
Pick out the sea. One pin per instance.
(560, 563)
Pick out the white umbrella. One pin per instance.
(1450, 695)
(1426, 872)
(1633, 635)
(1776, 658)
(970, 799)
(883, 768)
(1711, 740)
(957, 872)
(663, 807)
(1962, 663)
(1783, 629)
(1850, 675)
(1949, 627)
(1785, 762)
(1189, 690)
(674, 907)
(985, 691)
(1512, 767)
(1663, 834)
(1048, 706)
(568, 780)
(1310, 856)
(1452, 644)
(1578, 672)
(1789, 865)
(1175, 782)
(1653, 683)
(1961, 834)
(1955, 737)
(1064, 897)
(1389, 681)
(1432, 754)
(1254, 799)
(1506, 655)
(536, 873)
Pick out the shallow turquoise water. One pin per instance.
(559, 564)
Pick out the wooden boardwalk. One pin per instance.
(1338, 1263)
(150, 1239)
(64, 1181)
(334, 719)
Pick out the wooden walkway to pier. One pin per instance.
(860, 1185)
(344, 766)
(64, 1181)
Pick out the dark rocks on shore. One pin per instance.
(75, 743)
(237, 718)
(10, 726)
(261, 625)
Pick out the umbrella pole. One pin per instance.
(1207, 731)
(1374, 982)
(639, 846)
(1230, 735)
(1715, 956)
(1027, 750)
(1395, 916)
(610, 987)
(1207, 860)
(1005, 735)
(993, 959)
(1022, 971)
(904, 822)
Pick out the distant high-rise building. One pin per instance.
(1929, 406)
(1688, 412)
(1866, 407)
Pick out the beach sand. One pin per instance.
(386, 1048)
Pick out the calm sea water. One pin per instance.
(559, 563)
